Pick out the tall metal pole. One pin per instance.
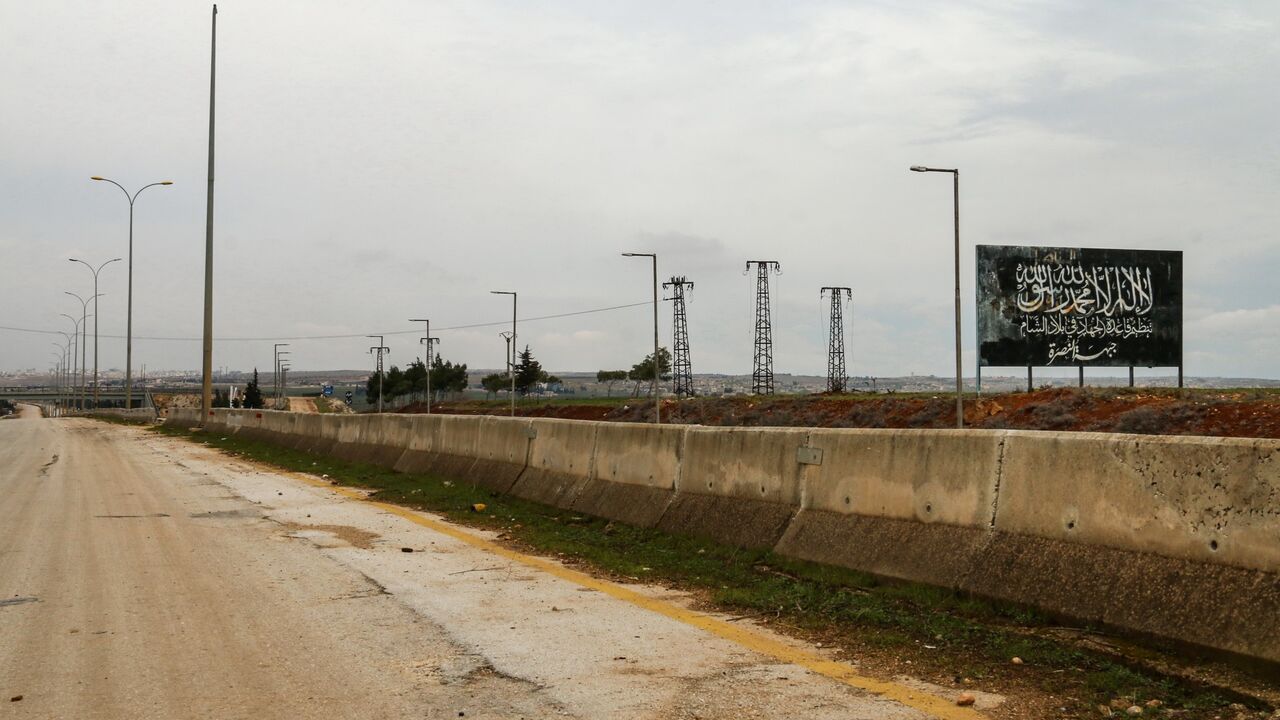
(430, 341)
(74, 344)
(128, 343)
(515, 301)
(96, 315)
(206, 397)
(657, 398)
(512, 366)
(83, 342)
(653, 386)
(380, 349)
(955, 176)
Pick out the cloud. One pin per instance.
(424, 154)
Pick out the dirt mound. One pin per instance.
(1244, 413)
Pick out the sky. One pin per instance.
(383, 161)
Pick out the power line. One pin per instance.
(352, 335)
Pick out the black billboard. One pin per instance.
(1043, 306)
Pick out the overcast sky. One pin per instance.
(385, 160)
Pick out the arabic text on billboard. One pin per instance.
(1079, 306)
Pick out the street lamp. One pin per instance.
(275, 373)
(84, 328)
(96, 315)
(59, 381)
(128, 343)
(75, 345)
(955, 177)
(430, 342)
(512, 360)
(657, 401)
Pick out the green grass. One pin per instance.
(968, 637)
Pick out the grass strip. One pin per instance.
(933, 633)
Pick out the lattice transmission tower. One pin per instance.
(682, 369)
(762, 362)
(837, 376)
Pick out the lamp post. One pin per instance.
(84, 342)
(657, 401)
(96, 315)
(128, 343)
(75, 345)
(430, 343)
(282, 394)
(275, 372)
(955, 177)
(59, 380)
(512, 359)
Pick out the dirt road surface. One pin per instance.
(302, 405)
(143, 576)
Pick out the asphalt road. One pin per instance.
(144, 576)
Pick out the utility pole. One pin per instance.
(681, 368)
(430, 343)
(762, 360)
(506, 335)
(511, 342)
(657, 366)
(206, 394)
(380, 349)
(837, 377)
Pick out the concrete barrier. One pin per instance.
(560, 459)
(502, 451)
(907, 504)
(419, 444)
(737, 485)
(1207, 499)
(182, 417)
(456, 446)
(307, 431)
(634, 472)
(130, 414)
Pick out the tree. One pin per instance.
(415, 375)
(643, 370)
(528, 372)
(496, 382)
(610, 377)
(447, 377)
(394, 385)
(253, 394)
(221, 398)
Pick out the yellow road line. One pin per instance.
(934, 705)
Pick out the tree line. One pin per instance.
(639, 373)
(445, 378)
